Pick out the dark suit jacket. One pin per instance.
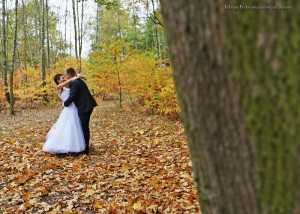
(81, 96)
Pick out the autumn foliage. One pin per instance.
(138, 76)
(134, 166)
(114, 72)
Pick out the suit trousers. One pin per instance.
(85, 123)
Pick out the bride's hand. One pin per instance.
(80, 76)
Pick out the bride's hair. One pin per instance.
(56, 78)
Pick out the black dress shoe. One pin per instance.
(83, 153)
(61, 154)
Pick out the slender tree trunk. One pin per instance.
(26, 44)
(147, 28)
(4, 51)
(120, 88)
(81, 35)
(70, 44)
(120, 31)
(37, 22)
(134, 24)
(78, 27)
(156, 33)
(43, 54)
(60, 36)
(11, 79)
(66, 14)
(75, 28)
(97, 23)
(25, 34)
(48, 36)
(31, 55)
(221, 151)
(119, 78)
(119, 25)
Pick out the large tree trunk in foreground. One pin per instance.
(209, 63)
(221, 153)
(265, 65)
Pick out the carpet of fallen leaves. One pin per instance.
(138, 164)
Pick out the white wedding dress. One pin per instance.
(66, 134)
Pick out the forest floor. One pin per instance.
(137, 164)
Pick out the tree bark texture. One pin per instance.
(11, 74)
(261, 46)
(238, 87)
(221, 151)
(75, 28)
(43, 53)
(4, 51)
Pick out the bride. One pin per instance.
(66, 134)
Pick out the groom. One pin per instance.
(85, 103)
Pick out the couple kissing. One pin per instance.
(71, 133)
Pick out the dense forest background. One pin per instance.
(118, 45)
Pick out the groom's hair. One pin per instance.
(56, 78)
(71, 71)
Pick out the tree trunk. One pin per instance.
(147, 28)
(43, 54)
(66, 14)
(25, 34)
(119, 36)
(134, 24)
(156, 34)
(263, 65)
(60, 36)
(97, 23)
(81, 36)
(70, 44)
(48, 36)
(221, 151)
(36, 52)
(75, 28)
(11, 79)
(4, 51)
(120, 87)
(31, 55)
(264, 62)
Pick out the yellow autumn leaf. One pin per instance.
(185, 175)
(89, 193)
(46, 206)
(33, 202)
(97, 204)
(24, 206)
(190, 207)
(125, 169)
(70, 204)
(137, 205)
(153, 208)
